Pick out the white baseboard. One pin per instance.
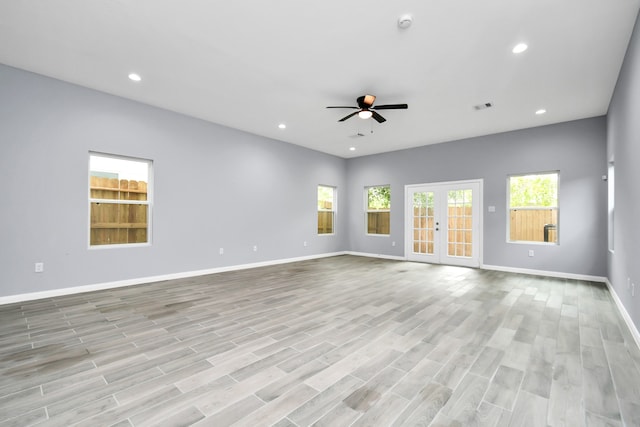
(624, 313)
(368, 255)
(141, 280)
(545, 273)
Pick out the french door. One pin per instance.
(443, 223)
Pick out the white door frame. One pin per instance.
(478, 222)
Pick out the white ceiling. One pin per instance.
(253, 64)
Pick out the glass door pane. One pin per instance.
(423, 222)
(459, 220)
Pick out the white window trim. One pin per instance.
(148, 202)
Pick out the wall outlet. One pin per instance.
(221, 251)
(531, 253)
(304, 244)
(255, 248)
(633, 289)
(393, 243)
(39, 267)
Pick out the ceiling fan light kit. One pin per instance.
(365, 114)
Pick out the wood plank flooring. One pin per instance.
(342, 341)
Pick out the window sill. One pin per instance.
(119, 246)
(533, 242)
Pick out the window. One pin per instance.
(119, 200)
(533, 208)
(611, 203)
(378, 209)
(326, 209)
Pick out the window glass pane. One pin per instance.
(533, 208)
(611, 204)
(115, 223)
(119, 197)
(326, 209)
(533, 190)
(325, 222)
(325, 197)
(378, 222)
(118, 178)
(379, 198)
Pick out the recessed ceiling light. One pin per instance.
(519, 48)
(282, 126)
(352, 148)
(135, 77)
(541, 111)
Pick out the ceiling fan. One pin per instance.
(366, 109)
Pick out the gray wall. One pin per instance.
(211, 183)
(577, 149)
(623, 147)
(214, 187)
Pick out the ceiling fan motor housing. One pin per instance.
(366, 101)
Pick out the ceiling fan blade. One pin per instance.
(355, 108)
(391, 107)
(378, 117)
(348, 116)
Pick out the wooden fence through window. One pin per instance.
(325, 217)
(529, 225)
(534, 225)
(378, 222)
(118, 223)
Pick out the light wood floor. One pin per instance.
(333, 342)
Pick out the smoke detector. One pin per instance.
(405, 21)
